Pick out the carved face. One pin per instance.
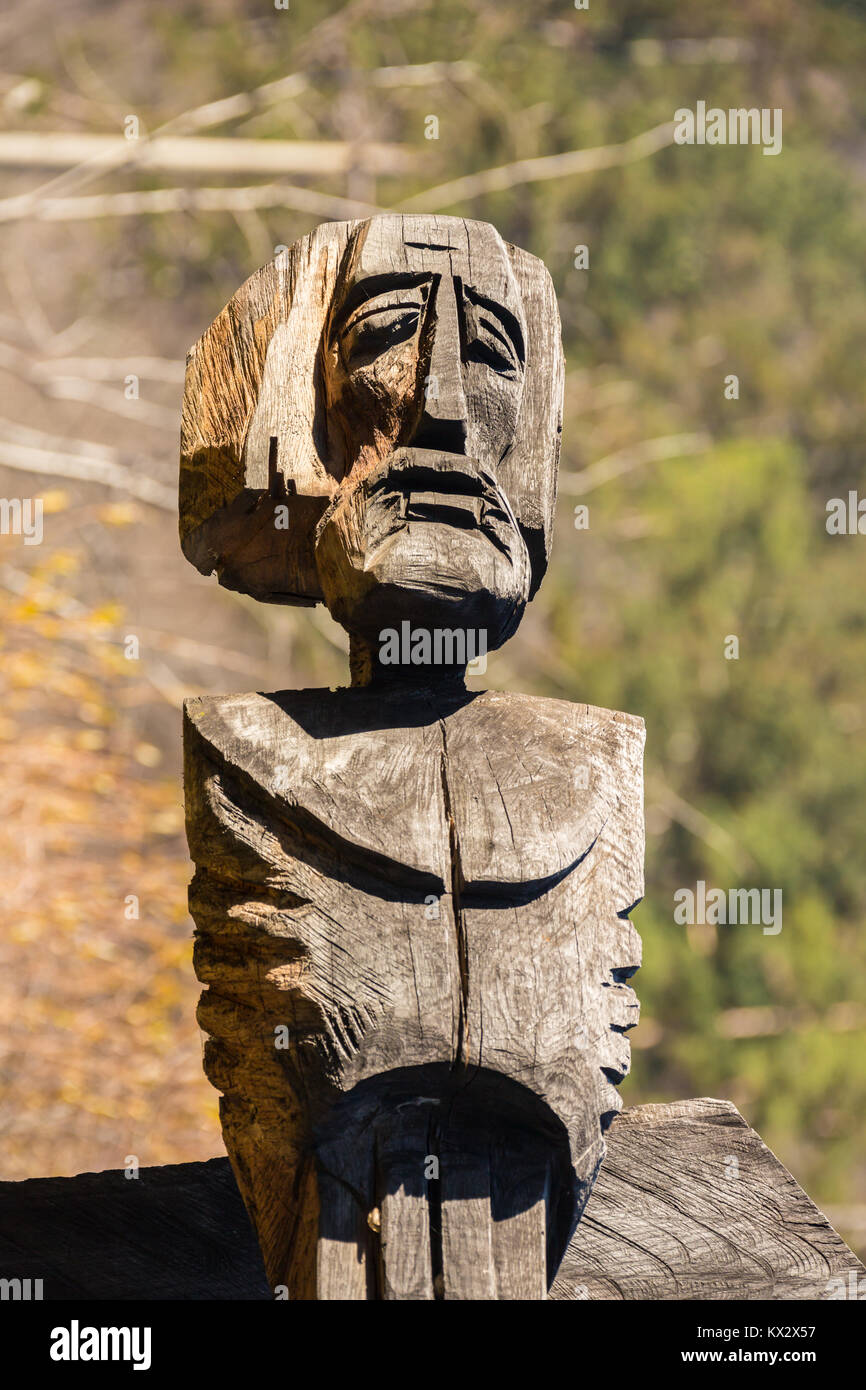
(424, 358)
(395, 380)
(420, 350)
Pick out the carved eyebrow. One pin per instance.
(506, 319)
(370, 288)
(376, 306)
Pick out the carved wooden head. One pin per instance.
(373, 421)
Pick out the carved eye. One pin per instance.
(374, 331)
(488, 343)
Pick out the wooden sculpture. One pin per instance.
(411, 900)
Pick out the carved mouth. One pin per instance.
(415, 488)
(428, 486)
(450, 507)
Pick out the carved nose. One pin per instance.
(443, 419)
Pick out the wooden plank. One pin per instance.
(174, 1232)
(344, 1258)
(467, 1226)
(520, 1254)
(658, 1225)
(520, 1193)
(403, 1144)
(690, 1204)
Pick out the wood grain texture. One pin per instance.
(690, 1204)
(411, 903)
(660, 1224)
(238, 394)
(284, 401)
(426, 895)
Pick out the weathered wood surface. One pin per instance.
(411, 903)
(361, 339)
(411, 916)
(175, 1232)
(663, 1222)
(691, 1204)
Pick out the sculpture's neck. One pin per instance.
(366, 669)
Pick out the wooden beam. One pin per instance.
(663, 1222)
(690, 1204)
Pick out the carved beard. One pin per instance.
(428, 537)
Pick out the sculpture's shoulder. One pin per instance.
(284, 735)
(297, 722)
(528, 783)
(553, 728)
(537, 780)
(347, 765)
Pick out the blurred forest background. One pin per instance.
(706, 514)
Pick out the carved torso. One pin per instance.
(446, 893)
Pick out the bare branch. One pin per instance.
(25, 301)
(198, 154)
(421, 74)
(321, 41)
(70, 388)
(668, 446)
(112, 368)
(238, 106)
(136, 410)
(698, 824)
(31, 451)
(20, 582)
(764, 1021)
(162, 200)
(552, 166)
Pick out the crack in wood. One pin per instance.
(460, 928)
